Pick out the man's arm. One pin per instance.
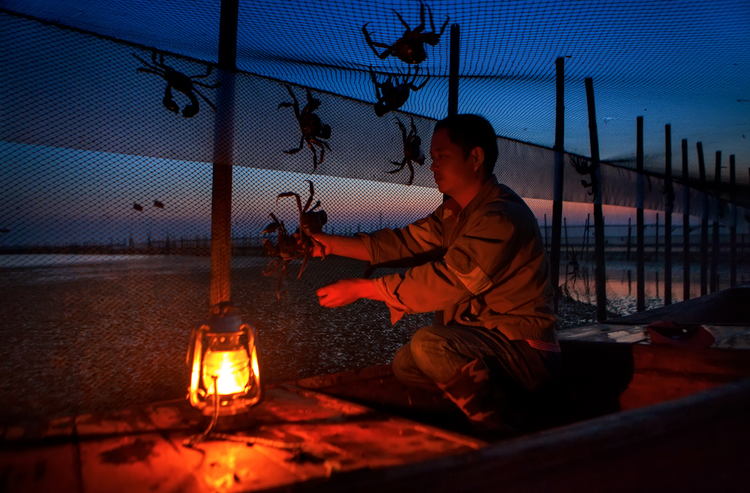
(343, 246)
(347, 291)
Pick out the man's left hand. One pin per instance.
(346, 291)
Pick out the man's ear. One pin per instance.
(477, 156)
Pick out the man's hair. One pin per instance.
(469, 131)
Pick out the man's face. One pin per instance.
(452, 170)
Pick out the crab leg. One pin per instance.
(295, 151)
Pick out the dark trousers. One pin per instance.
(435, 354)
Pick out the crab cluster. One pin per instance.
(301, 244)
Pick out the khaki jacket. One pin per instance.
(486, 266)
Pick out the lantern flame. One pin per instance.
(231, 369)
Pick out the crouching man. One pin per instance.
(486, 271)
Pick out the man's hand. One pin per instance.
(322, 244)
(347, 291)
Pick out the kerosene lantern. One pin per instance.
(223, 358)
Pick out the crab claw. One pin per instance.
(190, 111)
(169, 103)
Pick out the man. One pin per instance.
(487, 271)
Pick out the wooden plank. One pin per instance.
(126, 421)
(698, 443)
(173, 415)
(50, 468)
(143, 462)
(229, 467)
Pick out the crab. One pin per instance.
(391, 96)
(185, 84)
(574, 274)
(409, 48)
(297, 245)
(412, 150)
(314, 132)
(284, 251)
(585, 167)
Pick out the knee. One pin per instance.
(403, 362)
(425, 340)
(429, 345)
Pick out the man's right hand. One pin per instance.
(322, 244)
(344, 246)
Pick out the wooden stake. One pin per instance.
(630, 234)
(668, 206)
(557, 205)
(601, 278)
(640, 264)
(454, 68)
(704, 220)
(732, 224)
(221, 195)
(715, 239)
(685, 223)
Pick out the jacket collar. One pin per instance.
(451, 207)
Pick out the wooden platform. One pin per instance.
(142, 449)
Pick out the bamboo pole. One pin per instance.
(454, 69)
(704, 221)
(685, 223)
(656, 238)
(640, 265)
(601, 279)
(557, 205)
(715, 237)
(221, 194)
(732, 224)
(630, 235)
(668, 205)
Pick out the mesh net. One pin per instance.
(106, 192)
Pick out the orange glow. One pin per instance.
(231, 368)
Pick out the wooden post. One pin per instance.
(715, 237)
(585, 238)
(640, 265)
(732, 224)
(685, 223)
(704, 220)
(557, 205)
(454, 69)
(601, 278)
(630, 235)
(656, 239)
(221, 196)
(668, 205)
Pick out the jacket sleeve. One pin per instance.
(479, 258)
(415, 239)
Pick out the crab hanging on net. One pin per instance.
(314, 132)
(298, 245)
(586, 167)
(409, 48)
(393, 93)
(412, 150)
(185, 84)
